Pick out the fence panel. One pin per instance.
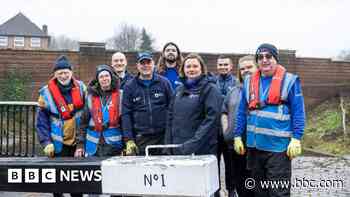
(17, 129)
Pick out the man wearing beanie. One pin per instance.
(272, 113)
(61, 103)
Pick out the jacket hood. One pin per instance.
(95, 89)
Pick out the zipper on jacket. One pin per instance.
(149, 106)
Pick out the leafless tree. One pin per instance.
(344, 55)
(126, 38)
(63, 42)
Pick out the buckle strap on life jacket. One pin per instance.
(274, 96)
(113, 111)
(61, 103)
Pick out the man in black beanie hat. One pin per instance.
(272, 114)
(61, 103)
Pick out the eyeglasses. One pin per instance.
(267, 56)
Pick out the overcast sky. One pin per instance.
(314, 28)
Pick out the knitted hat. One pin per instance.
(62, 62)
(267, 48)
(103, 67)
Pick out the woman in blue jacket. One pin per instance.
(194, 114)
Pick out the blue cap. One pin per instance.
(62, 62)
(144, 56)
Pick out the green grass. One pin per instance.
(324, 130)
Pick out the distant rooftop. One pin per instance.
(20, 25)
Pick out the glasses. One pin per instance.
(267, 56)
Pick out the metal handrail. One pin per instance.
(17, 128)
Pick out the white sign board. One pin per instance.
(160, 175)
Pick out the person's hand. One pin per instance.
(294, 148)
(49, 150)
(238, 145)
(79, 152)
(131, 148)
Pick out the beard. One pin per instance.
(170, 60)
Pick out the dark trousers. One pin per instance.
(107, 150)
(67, 151)
(144, 140)
(269, 166)
(236, 172)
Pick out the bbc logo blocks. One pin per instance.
(31, 175)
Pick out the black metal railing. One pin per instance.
(17, 129)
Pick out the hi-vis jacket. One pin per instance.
(59, 114)
(105, 121)
(271, 124)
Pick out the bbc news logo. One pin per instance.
(51, 175)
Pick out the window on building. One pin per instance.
(19, 41)
(3, 41)
(35, 42)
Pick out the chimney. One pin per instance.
(45, 29)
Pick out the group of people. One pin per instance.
(255, 119)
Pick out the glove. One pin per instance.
(294, 148)
(49, 150)
(238, 145)
(131, 148)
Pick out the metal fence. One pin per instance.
(17, 129)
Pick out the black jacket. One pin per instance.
(126, 78)
(194, 118)
(145, 108)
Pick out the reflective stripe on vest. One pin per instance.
(267, 131)
(272, 115)
(56, 122)
(92, 138)
(114, 138)
(57, 137)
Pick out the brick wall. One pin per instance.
(321, 78)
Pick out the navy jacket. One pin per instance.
(226, 83)
(126, 78)
(145, 108)
(194, 118)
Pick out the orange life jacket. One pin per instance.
(274, 96)
(61, 103)
(113, 110)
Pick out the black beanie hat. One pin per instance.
(103, 67)
(62, 62)
(269, 48)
